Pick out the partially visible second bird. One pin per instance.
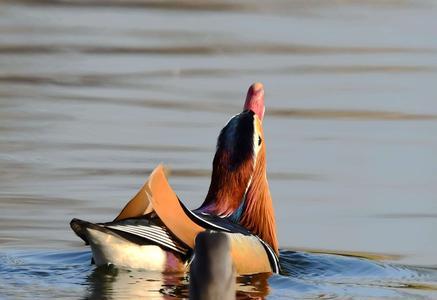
(212, 275)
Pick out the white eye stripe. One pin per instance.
(257, 140)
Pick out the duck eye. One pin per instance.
(259, 140)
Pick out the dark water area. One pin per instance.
(94, 94)
(69, 274)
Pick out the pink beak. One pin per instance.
(255, 100)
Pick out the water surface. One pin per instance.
(94, 94)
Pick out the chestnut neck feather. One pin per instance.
(229, 187)
(232, 165)
(258, 215)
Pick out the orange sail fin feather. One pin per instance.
(140, 205)
(167, 207)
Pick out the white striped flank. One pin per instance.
(111, 249)
(153, 233)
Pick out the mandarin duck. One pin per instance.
(156, 231)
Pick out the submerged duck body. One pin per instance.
(155, 231)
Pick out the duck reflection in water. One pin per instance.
(212, 276)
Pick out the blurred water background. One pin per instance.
(94, 94)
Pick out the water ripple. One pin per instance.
(186, 173)
(125, 79)
(367, 115)
(280, 7)
(205, 49)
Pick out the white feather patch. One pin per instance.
(110, 249)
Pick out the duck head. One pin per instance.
(239, 188)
